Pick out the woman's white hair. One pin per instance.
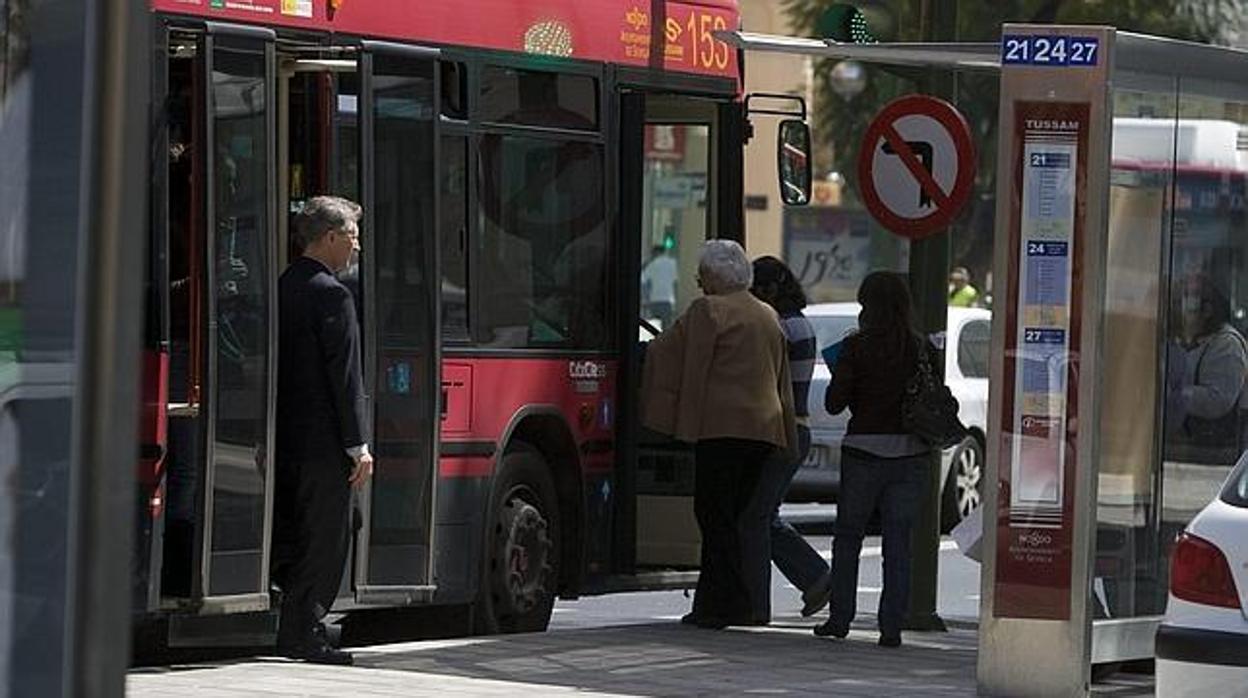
(724, 268)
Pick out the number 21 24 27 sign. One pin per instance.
(1058, 51)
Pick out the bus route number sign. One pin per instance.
(1042, 50)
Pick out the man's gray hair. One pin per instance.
(724, 268)
(321, 214)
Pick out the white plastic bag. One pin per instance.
(968, 534)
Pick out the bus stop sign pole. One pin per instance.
(929, 269)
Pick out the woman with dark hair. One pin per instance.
(882, 466)
(773, 537)
(1208, 366)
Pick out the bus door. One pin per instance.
(219, 234)
(398, 113)
(670, 152)
(240, 333)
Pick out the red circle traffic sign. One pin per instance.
(916, 166)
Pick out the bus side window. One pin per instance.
(545, 253)
(454, 238)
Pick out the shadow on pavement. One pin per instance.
(671, 659)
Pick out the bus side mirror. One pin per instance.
(793, 162)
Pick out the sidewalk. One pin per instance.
(665, 659)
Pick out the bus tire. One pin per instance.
(520, 572)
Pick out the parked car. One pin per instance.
(1202, 644)
(966, 374)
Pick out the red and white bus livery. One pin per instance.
(519, 164)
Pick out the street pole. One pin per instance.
(929, 269)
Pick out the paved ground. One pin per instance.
(957, 595)
(631, 645)
(634, 660)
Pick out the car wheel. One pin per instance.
(965, 482)
(520, 573)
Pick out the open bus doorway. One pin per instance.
(672, 146)
(204, 528)
(251, 129)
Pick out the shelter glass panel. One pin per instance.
(1129, 579)
(1206, 354)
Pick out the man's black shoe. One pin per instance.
(890, 640)
(321, 654)
(720, 622)
(829, 629)
(713, 623)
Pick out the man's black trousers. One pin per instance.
(311, 535)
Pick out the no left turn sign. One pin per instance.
(916, 167)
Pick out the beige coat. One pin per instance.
(722, 370)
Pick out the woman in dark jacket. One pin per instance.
(882, 466)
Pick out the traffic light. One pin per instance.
(857, 23)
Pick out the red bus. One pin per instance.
(518, 163)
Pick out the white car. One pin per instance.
(1202, 645)
(966, 374)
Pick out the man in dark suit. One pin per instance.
(322, 428)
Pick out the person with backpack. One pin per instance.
(883, 464)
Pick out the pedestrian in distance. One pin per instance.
(658, 286)
(322, 427)
(961, 293)
(882, 466)
(719, 379)
(775, 285)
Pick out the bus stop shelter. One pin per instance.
(1122, 165)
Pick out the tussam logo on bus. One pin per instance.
(586, 370)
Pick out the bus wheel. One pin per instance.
(521, 571)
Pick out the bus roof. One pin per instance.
(611, 31)
(1202, 144)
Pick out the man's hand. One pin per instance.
(363, 470)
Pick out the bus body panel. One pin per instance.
(490, 402)
(621, 31)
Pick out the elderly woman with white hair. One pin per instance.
(719, 379)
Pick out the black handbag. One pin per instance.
(928, 409)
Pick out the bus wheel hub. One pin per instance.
(526, 556)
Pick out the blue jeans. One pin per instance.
(895, 487)
(769, 538)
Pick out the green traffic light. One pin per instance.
(845, 23)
